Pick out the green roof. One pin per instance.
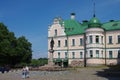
(94, 22)
(114, 25)
(73, 27)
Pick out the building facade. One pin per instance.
(88, 43)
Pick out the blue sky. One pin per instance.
(30, 18)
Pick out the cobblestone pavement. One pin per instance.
(78, 74)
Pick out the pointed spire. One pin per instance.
(94, 10)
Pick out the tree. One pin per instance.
(13, 50)
(39, 62)
(24, 49)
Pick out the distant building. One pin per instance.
(90, 42)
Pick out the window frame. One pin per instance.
(118, 39)
(59, 43)
(97, 54)
(110, 54)
(91, 39)
(110, 39)
(73, 55)
(58, 54)
(81, 55)
(55, 32)
(97, 39)
(81, 41)
(73, 42)
(91, 53)
(66, 43)
(119, 54)
(66, 54)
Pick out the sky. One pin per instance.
(31, 18)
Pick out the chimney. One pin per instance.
(85, 22)
(111, 20)
(72, 16)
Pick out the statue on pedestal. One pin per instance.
(51, 52)
(52, 44)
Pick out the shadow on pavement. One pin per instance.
(111, 73)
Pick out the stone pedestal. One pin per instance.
(50, 60)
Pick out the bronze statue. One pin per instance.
(52, 43)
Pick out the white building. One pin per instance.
(90, 42)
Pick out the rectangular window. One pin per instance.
(58, 54)
(97, 53)
(97, 39)
(66, 55)
(118, 53)
(102, 39)
(110, 54)
(73, 55)
(66, 43)
(91, 40)
(81, 55)
(102, 54)
(73, 42)
(55, 32)
(91, 54)
(58, 43)
(118, 38)
(110, 39)
(81, 41)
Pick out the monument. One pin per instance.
(50, 61)
(50, 66)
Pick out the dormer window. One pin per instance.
(115, 24)
(55, 32)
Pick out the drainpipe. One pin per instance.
(105, 48)
(67, 48)
(85, 63)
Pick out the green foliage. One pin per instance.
(13, 50)
(39, 62)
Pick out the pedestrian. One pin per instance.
(23, 72)
(27, 72)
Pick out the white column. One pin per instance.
(100, 37)
(94, 39)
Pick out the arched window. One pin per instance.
(55, 32)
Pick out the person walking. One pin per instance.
(23, 72)
(27, 72)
